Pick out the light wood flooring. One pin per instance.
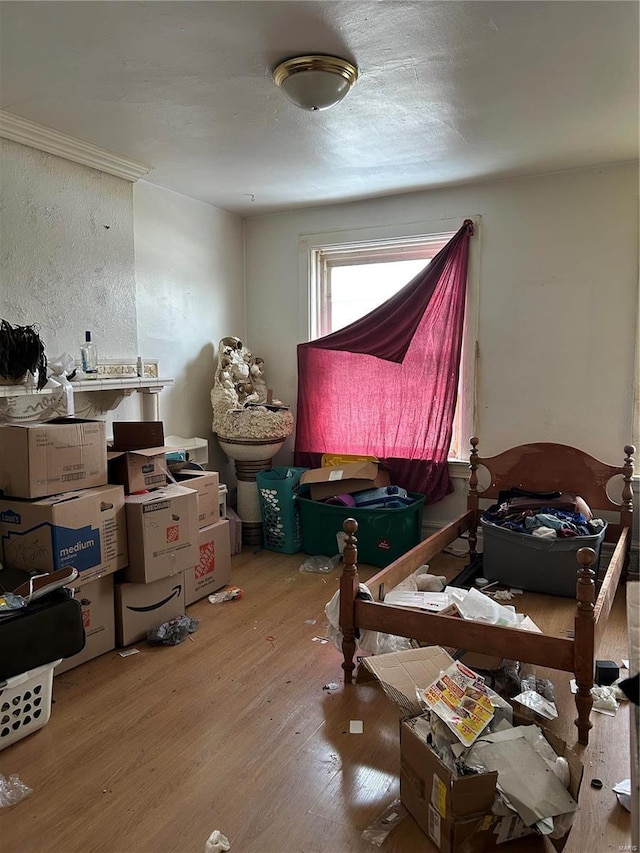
(234, 730)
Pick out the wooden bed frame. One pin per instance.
(536, 467)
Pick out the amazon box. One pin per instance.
(61, 455)
(162, 530)
(85, 529)
(143, 606)
(214, 567)
(345, 479)
(206, 484)
(98, 617)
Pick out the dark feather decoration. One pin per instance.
(22, 350)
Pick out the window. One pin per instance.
(348, 280)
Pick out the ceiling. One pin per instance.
(448, 93)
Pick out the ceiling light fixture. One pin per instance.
(315, 82)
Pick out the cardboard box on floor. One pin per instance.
(214, 567)
(345, 479)
(86, 529)
(143, 606)
(455, 812)
(61, 455)
(162, 530)
(206, 484)
(98, 617)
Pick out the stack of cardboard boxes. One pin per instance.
(68, 502)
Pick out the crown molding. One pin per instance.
(44, 138)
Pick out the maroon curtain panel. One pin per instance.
(386, 385)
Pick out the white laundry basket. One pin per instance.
(25, 703)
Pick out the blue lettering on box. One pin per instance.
(10, 516)
(79, 548)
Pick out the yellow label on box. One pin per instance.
(439, 795)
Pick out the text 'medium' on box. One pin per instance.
(84, 529)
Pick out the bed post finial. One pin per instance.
(472, 503)
(349, 587)
(584, 641)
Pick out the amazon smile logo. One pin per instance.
(174, 593)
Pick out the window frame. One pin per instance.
(352, 244)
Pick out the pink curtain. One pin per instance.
(386, 385)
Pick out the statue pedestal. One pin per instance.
(250, 456)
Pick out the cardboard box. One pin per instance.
(85, 529)
(61, 455)
(136, 435)
(345, 479)
(455, 812)
(235, 531)
(214, 568)
(98, 616)
(138, 470)
(143, 606)
(162, 530)
(206, 484)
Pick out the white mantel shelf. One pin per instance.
(24, 403)
(114, 383)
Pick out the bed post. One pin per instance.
(626, 510)
(472, 500)
(584, 641)
(349, 586)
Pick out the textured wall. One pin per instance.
(66, 252)
(190, 294)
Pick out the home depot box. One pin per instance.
(454, 811)
(206, 484)
(345, 479)
(48, 458)
(214, 567)
(162, 529)
(86, 529)
(98, 617)
(143, 606)
(138, 470)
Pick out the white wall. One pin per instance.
(171, 300)
(189, 271)
(558, 270)
(66, 252)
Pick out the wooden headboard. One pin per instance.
(544, 466)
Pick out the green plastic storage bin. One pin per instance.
(279, 510)
(383, 534)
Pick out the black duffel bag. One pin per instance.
(48, 629)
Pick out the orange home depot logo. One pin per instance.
(207, 560)
(173, 533)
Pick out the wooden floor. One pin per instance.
(234, 730)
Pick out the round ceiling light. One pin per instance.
(315, 82)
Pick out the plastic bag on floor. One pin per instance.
(324, 565)
(12, 790)
(217, 843)
(378, 830)
(173, 632)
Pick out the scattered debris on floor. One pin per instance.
(12, 790)
(217, 843)
(229, 593)
(356, 727)
(173, 632)
(127, 652)
(379, 828)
